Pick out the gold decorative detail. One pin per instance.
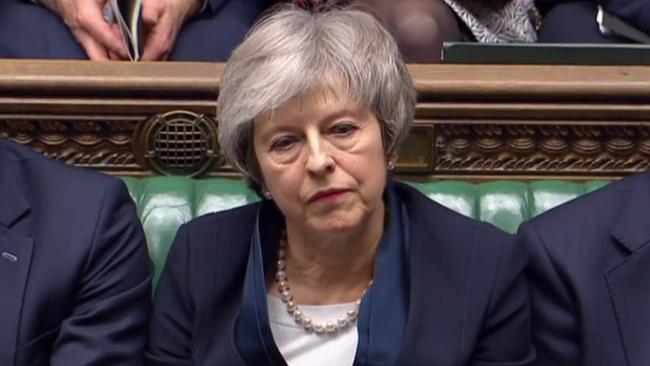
(178, 143)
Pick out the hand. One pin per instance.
(163, 20)
(85, 20)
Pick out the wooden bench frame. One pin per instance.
(473, 122)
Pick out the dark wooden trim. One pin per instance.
(473, 122)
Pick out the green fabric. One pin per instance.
(164, 203)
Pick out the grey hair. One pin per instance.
(291, 52)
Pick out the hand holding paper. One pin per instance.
(163, 20)
(85, 20)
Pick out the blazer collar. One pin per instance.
(14, 203)
(632, 229)
(628, 281)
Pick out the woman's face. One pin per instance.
(322, 159)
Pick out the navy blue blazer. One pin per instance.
(74, 271)
(467, 303)
(29, 30)
(590, 278)
(633, 12)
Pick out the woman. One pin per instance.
(338, 265)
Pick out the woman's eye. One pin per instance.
(343, 129)
(283, 143)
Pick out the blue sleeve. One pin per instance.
(505, 335)
(170, 331)
(108, 323)
(556, 329)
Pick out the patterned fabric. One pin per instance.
(513, 23)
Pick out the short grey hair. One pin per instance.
(291, 52)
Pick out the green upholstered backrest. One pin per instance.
(164, 203)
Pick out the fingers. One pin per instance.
(117, 31)
(94, 50)
(162, 23)
(156, 31)
(152, 12)
(91, 21)
(158, 42)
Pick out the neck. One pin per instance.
(332, 268)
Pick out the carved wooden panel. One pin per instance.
(472, 121)
(524, 148)
(103, 144)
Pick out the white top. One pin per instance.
(300, 348)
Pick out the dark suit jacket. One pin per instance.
(633, 12)
(590, 278)
(29, 30)
(468, 303)
(74, 270)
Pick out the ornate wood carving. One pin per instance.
(472, 121)
(99, 144)
(542, 149)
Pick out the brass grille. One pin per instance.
(180, 143)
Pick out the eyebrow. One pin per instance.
(286, 125)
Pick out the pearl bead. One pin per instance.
(318, 328)
(291, 309)
(281, 264)
(297, 314)
(281, 275)
(342, 322)
(283, 285)
(306, 321)
(330, 327)
(286, 295)
(352, 314)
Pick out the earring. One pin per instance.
(391, 165)
(267, 195)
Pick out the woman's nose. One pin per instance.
(319, 160)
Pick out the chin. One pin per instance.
(339, 222)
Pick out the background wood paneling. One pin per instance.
(473, 122)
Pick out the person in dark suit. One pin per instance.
(182, 30)
(338, 265)
(589, 277)
(74, 269)
(575, 21)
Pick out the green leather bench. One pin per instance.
(164, 203)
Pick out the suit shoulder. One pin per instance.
(232, 221)
(455, 232)
(33, 164)
(58, 184)
(437, 214)
(589, 208)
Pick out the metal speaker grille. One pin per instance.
(180, 143)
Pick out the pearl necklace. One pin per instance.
(298, 316)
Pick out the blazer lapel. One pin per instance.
(432, 335)
(629, 281)
(15, 257)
